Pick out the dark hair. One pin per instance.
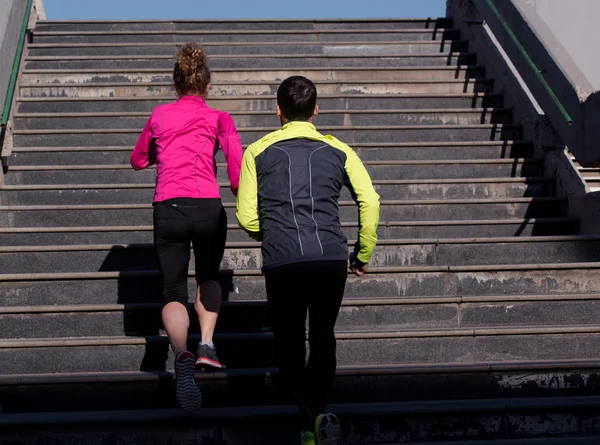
(191, 73)
(297, 98)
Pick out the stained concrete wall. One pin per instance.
(11, 19)
(575, 25)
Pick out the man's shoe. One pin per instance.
(328, 430)
(207, 356)
(308, 438)
(188, 393)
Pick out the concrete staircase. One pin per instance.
(478, 319)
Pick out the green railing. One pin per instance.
(10, 92)
(530, 62)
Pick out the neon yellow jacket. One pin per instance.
(290, 185)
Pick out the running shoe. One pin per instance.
(207, 357)
(328, 430)
(188, 393)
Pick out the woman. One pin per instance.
(182, 139)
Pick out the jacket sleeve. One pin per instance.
(247, 197)
(144, 153)
(230, 142)
(368, 205)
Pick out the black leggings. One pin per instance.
(177, 222)
(292, 290)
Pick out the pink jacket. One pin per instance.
(182, 138)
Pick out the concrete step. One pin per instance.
(131, 319)
(266, 118)
(144, 286)
(409, 210)
(141, 27)
(155, 89)
(262, 103)
(348, 134)
(246, 255)
(378, 170)
(414, 382)
(342, 74)
(368, 152)
(82, 354)
(25, 236)
(230, 48)
(387, 189)
(362, 423)
(270, 61)
(342, 35)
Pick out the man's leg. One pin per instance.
(286, 295)
(324, 305)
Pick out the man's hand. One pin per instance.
(356, 266)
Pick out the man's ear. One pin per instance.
(278, 111)
(316, 112)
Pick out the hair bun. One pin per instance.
(191, 57)
(191, 73)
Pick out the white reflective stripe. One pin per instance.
(311, 195)
(291, 198)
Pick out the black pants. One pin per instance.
(292, 290)
(177, 222)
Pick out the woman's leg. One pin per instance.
(208, 305)
(173, 254)
(209, 246)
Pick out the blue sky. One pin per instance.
(198, 9)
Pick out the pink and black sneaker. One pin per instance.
(188, 393)
(207, 357)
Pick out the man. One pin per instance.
(290, 184)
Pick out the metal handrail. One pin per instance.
(15, 69)
(530, 62)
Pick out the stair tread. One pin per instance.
(350, 301)
(340, 335)
(128, 148)
(268, 112)
(344, 224)
(365, 409)
(413, 368)
(256, 245)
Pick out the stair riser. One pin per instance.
(231, 320)
(363, 135)
(243, 319)
(428, 153)
(144, 196)
(258, 37)
(260, 62)
(392, 232)
(440, 73)
(265, 120)
(257, 90)
(120, 259)
(377, 172)
(232, 26)
(258, 390)
(360, 429)
(258, 104)
(412, 212)
(265, 48)
(414, 284)
(155, 356)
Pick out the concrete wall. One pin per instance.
(575, 25)
(11, 19)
